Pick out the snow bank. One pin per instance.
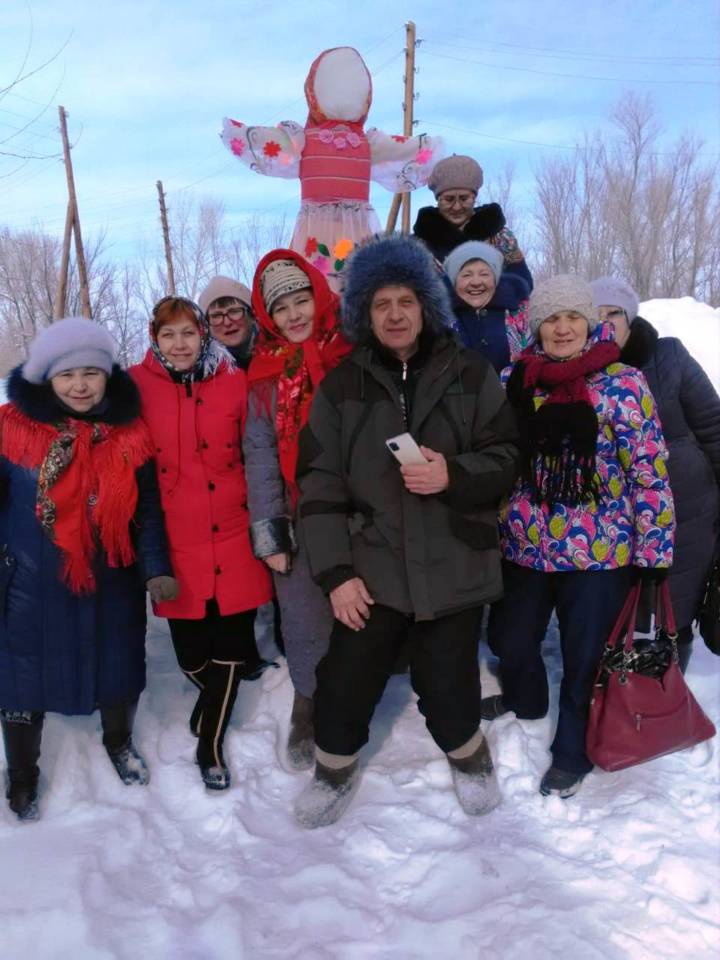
(695, 323)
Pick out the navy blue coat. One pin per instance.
(485, 330)
(60, 651)
(689, 409)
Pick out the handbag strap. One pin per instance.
(626, 620)
(664, 614)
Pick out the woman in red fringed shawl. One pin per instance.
(81, 536)
(298, 343)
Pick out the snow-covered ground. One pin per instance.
(629, 868)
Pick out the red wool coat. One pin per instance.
(197, 430)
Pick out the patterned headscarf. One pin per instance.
(294, 369)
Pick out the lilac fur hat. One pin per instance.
(611, 292)
(66, 344)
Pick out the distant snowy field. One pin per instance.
(629, 868)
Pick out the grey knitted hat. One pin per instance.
(66, 344)
(611, 292)
(281, 277)
(566, 291)
(456, 173)
(473, 250)
(220, 287)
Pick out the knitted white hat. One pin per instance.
(66, 344)
(566, 291)
(281, 277)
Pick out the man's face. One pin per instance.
(396, 319)
(230, 324)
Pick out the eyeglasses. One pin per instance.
(448, 199)
(233, 314)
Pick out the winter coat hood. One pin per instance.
(392, 261)
(121, 404)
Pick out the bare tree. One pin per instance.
(619, 205)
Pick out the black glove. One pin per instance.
(653, 576)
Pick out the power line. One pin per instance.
(570, 76)
(552, 53)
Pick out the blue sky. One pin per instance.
(147, 82)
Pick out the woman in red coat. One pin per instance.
(194, 400)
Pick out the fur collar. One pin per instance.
(37, 400)
(640, 345)
(432, 227)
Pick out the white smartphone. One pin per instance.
(405, 450)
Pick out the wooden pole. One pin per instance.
(166, 240)
(408, 108)
(60, 304)
(79, 251)
(404, 198)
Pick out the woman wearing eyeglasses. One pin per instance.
(455, 182)
(689, 410)
(194, 400)
(226, 303)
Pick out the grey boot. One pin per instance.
(327, 796)
(22, 736)
(475, 781)
(301, 737)
(117, 724)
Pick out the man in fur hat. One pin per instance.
(405, 553)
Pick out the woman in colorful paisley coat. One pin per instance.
(335, 159)
(591, 511)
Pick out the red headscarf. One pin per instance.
(295, 369)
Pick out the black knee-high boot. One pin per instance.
(198, 678)
(218, 699)
(22, 735)
(117, 724)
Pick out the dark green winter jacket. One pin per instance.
(422, 555)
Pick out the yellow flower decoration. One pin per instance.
(557, 527)
(533, 534)
(613, 368)
(624, 457)
(660, 467)
(342, 248)
(607, 430)
(615, 486)
(647, 405)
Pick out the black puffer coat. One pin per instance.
(689, 409)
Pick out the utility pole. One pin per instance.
(72, 223)
(166, 240)
(408, 124)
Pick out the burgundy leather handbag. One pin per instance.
(636, 716)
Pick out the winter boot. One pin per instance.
(117, 724)
(492, 707)
(221, 686)
(560, 783)
(326, 797)
(475, 780)
(301, 738)
(22, 736)
(197, 678)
